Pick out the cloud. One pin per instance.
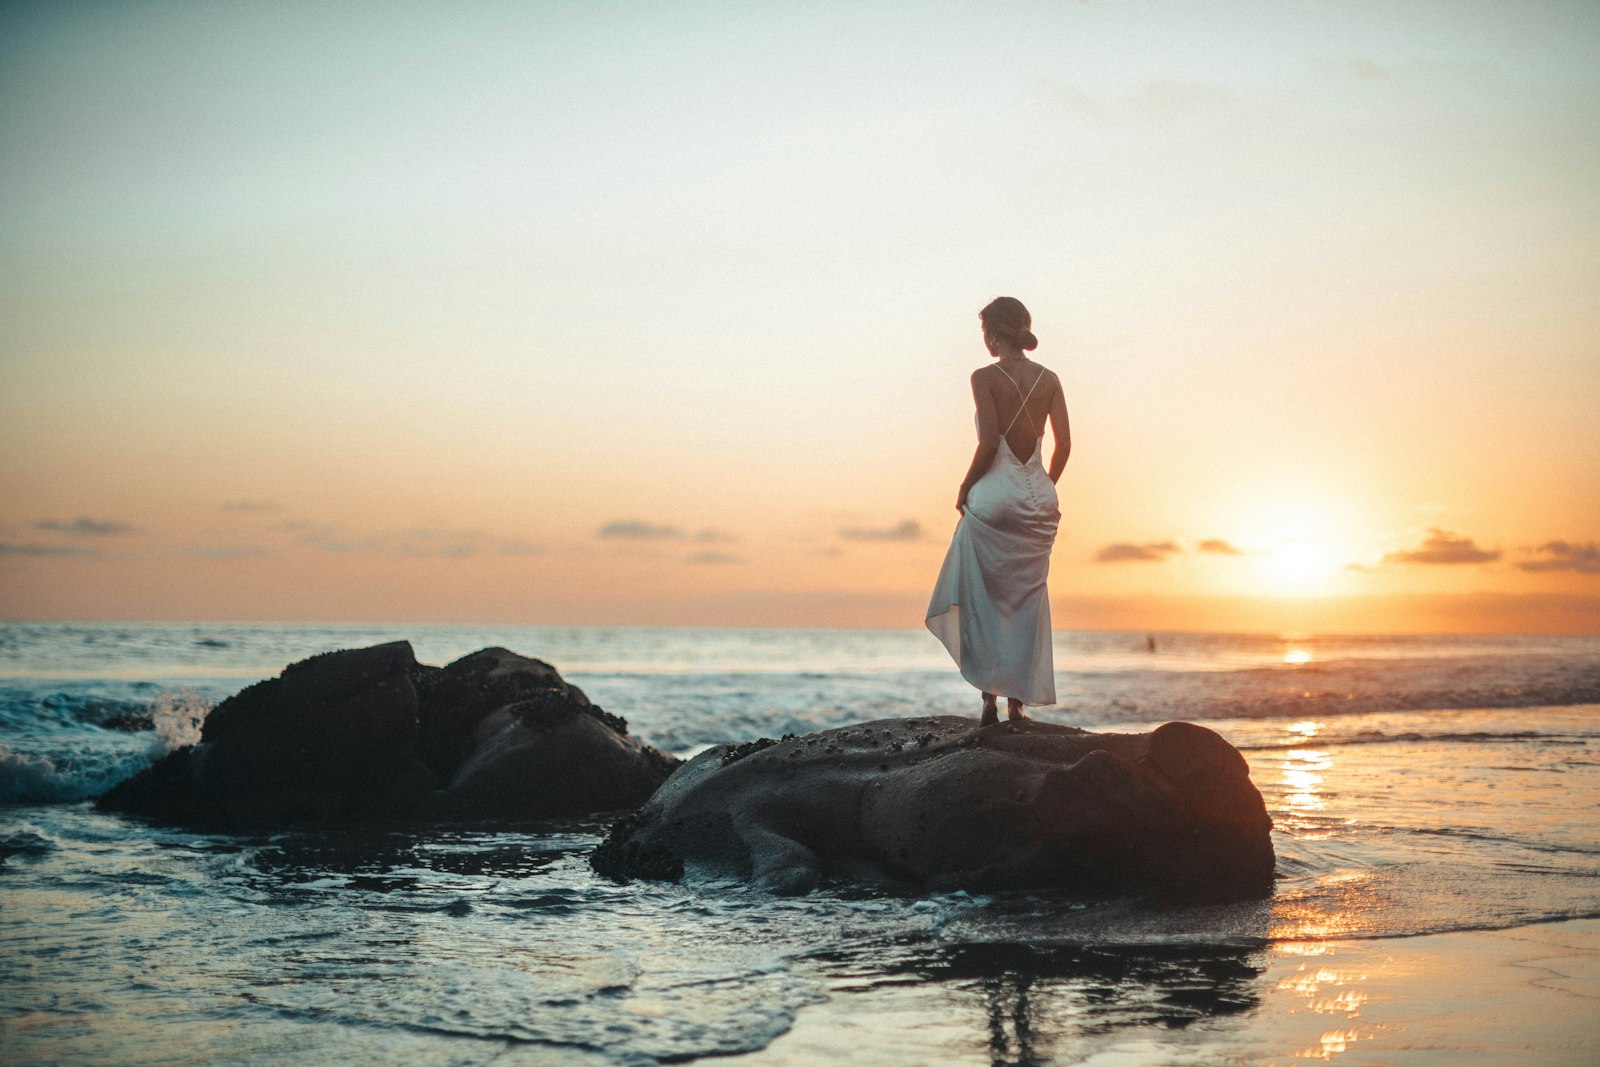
(714, 536)
(45, 550)
(1165, 101)
(1127, 552)
(1566, 556)
(1442, 546)
(329, 544)
(1430, 72)
(638, 530)
(223, 551)
(1369, 70)
(715, 557)
(908, 530)
(84, 526)
(1218, 547)
(1155, 102)
(417, 541)
(254, 506)
(516, 547)
(425, 541)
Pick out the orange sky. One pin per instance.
(627, 315)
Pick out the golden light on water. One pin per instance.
(1302, 779)
(1324, 988)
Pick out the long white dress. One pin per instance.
(990, 606)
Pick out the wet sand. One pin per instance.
(1524, 996)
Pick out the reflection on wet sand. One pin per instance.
(1322, 988)
(1037, 1003)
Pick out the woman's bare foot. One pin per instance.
(1013, 711)
(991, 713)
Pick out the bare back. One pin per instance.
(1022, 397)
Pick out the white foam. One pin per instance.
(85, 763)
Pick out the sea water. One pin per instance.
(1418, 785)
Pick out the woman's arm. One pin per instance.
(1063, 432)
(988, 437)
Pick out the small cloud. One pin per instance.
(909, 530)
(45, 550)
(715, 557)
(416, 541)
(1218, 547)
(1164, 101)
(250, 506)
(333, 544)
(1566, 556)
(83, 526)
(714, 536)
(1442, 546)
(1072, 100)
(1127, 552)
(1368, 70)
(222, 551)
(638, 530)
(423, 541)
(1151, 102)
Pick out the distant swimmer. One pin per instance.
(1149, 642)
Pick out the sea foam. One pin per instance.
(63, 766)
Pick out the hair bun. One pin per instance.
(1006, 317)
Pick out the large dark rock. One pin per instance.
(370, 733)
(943, 803)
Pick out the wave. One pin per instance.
(1378, 737)
(67, 765)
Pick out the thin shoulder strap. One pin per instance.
(1028, 396)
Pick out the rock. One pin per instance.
(553, 756)
(321, 723)
(452, 700)
(371, 734)
(943, 803)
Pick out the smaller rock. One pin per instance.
(370, 733)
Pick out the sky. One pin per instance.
(589, 313)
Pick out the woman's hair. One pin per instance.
(1007, 319)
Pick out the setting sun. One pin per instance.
(1301, 566)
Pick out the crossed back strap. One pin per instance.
(1025, 398)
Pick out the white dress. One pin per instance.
(990, 606)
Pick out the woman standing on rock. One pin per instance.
(990, 606)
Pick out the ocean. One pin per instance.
(1420, 786)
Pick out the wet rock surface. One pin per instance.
(370, 733)
(943, 803)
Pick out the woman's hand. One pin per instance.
(961, 500)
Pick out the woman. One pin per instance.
(990, 606)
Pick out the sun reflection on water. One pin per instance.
(1321, 987)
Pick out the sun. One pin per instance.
(1301, 565)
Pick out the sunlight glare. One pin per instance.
(1301, 566)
